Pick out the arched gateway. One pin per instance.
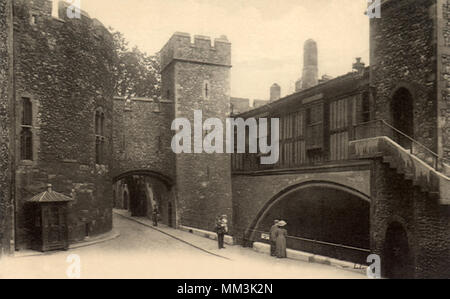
(143, 191)
(323, 218)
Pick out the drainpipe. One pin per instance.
(11, 202)
(13, 134)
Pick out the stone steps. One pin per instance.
(413, 169)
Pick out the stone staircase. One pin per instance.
(421, 174)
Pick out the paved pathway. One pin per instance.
(143, 252)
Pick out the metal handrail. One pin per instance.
(435, 156)
(318, 242)
(404, 135)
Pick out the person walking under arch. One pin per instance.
(155, 216)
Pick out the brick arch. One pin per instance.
(401, 221)
(401, 225)
(168, 181)
(411, 87)
(294, 188)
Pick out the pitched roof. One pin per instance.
(50, 196)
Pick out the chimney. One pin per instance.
(49, 187)
(325, 78)
(359, 66)
(310, 64)
(275, 92)
(298, 85)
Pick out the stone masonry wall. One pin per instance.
(202, 180)
(403, 55)
(5, 125)
(394, 199)
(142, 136)
(64, 67)
(252, 192)
(443, 21)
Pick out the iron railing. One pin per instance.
(376, 128)
(313, 241)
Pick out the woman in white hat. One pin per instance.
(280, 241)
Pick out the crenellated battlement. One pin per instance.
(62, 11)
(201, 50)
(39, 14)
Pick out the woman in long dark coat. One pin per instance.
(281, 234)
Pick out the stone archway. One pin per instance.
(323, 218)
(397, 261)
(402, 107)
(145, 191)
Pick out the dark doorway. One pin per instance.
(125, 200)
(137, 197)
(396, 260)
(140, 194)
(403, 117)
(169, 216)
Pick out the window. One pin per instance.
(157, 106)
(99, 136)
(339, 129)
(206, 89)
(365, 107)
(158, 138)
(33, 19)
(26, 134)
(314, 127)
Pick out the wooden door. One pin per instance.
(55, 227)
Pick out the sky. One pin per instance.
(267, 36)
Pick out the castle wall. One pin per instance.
(142, 136)
(6, 153)
(251, 192)
(394, 199)
(403, 55)
(443, 76)
(203, 182)
(409, 50)
(63, 67)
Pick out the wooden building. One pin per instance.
(316, 124)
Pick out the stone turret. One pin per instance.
(359, 66)
(180, 48)
(196, 77)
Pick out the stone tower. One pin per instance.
(310, 66)
(275, 92)
(410, 91)
(196, 77)
(420, 74)
(6, 133)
